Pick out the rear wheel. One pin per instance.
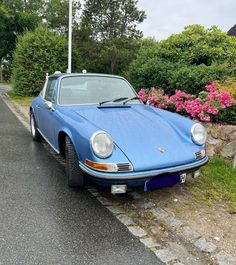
(33, 128)
(74, 174)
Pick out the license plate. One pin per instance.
(161, 181)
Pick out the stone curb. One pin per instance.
(167, 254)
(193, 237)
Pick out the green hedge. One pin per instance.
(186, 61)
(36, 54)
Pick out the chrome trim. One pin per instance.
(118, 166)
(198, 155)
(88, 74)
(192, 129)
(124, 167)
(54, 148)
(92, 139)
(141, 174)
(44, 88)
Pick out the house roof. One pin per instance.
(232, 31)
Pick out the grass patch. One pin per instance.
(24, 101)
(5, 84)
(216, 187)
(217, 184)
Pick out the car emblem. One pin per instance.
(161, 149)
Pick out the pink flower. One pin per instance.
(225, 99)
(210, 87)
(142, 95)
(202, 109)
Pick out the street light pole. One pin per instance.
(70, 37)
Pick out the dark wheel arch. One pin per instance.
(74, 173)
(61, 142)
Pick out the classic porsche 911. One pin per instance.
(106, 134)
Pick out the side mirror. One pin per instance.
(49, 105)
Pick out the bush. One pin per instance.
(210, 105)
(227, 115)
(228, 86)
(36, 54)
(185, 61)
(192, 79)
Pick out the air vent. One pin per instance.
(199, 155)
(124, 167)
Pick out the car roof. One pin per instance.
(58, 75)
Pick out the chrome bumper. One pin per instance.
(142, 174)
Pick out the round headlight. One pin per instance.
(199, 134)
(102, 144)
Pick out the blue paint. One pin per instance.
(139, 133)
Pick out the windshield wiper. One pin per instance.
(112, 100)
(133, 98)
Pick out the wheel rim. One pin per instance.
(32, 125)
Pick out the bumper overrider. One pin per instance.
(135, 175)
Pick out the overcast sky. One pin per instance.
(165, 17)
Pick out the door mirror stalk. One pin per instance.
(49, 105)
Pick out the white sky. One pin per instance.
(165, 17)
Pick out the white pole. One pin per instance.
(70, 37)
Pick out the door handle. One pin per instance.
(37, 106)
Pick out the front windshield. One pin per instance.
(94, 90)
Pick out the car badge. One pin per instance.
(161, 149)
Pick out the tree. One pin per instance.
(107, 39)
(37, 53)
(19, 16)
(14, 20)
(185, 61)
(56, 15)
(109, 20)
(17, 6)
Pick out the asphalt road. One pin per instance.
(42, 221)
(4, 87)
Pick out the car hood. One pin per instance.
(145, 137)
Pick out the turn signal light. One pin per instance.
(110, 167)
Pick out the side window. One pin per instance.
(50, 90)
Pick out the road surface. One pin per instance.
(42, 221)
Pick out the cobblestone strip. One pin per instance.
(191, 236)
(173, 253)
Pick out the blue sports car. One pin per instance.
(104, 131)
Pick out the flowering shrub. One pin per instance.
(205, 107)
(228, 86)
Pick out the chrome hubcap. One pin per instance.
(32, 125)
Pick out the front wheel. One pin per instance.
(33, 128)
(74, 174)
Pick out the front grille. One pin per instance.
(199, 155)
(124, 167)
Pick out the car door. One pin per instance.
(46, 114)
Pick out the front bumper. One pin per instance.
(134, 175)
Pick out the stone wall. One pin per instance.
(221, 140)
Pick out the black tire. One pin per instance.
(33, 128)
(74, 174)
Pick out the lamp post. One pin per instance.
(70, 37)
